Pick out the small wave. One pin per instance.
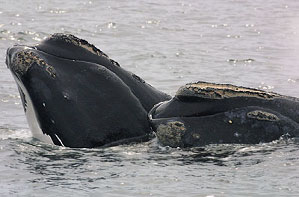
(234, 61)
(11, 133)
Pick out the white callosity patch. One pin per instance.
(24, 59)
(171, 134)
(220, 91)
(78, 42)
(262, 115)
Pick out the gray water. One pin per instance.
(168, 43)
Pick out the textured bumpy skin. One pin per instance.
(203, 113)
(80, 97)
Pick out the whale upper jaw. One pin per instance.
(11, 55)
(19, 59)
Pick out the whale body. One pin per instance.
(74, 95)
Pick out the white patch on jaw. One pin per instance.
(31, 119)
(59, 140)
(33, 124)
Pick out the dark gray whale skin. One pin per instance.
(81, 98)
(70, 47)
(203, 113)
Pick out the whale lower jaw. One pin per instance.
(34, 127)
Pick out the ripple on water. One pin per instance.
(168, 44)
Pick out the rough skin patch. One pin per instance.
(78, 42)
(23, 60)
(261, 115)
(171, 134)
(221, 91)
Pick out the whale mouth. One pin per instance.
(156, 113)
(187, 108)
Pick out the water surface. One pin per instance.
(168, 43)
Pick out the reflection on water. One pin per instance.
(132, 167)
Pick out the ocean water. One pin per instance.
(167, 43)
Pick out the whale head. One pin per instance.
(70, 95)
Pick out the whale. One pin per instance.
(204, 113)
(74, 95)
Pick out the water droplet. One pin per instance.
(291, 80)
(249, 25)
